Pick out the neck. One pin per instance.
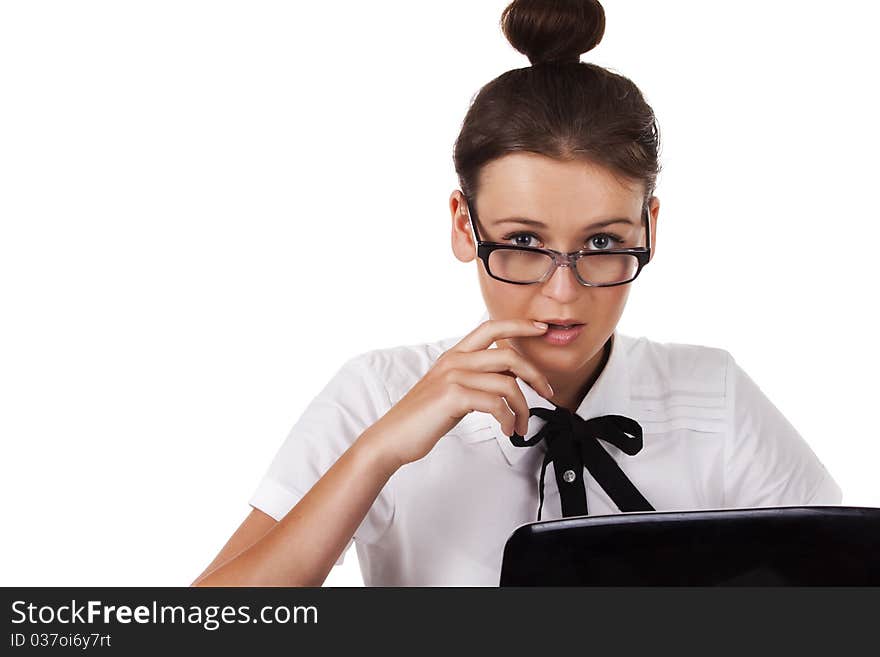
(570, 395)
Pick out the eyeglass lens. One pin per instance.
(526, 267)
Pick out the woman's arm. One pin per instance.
(254, 527)
(470, 376)
(301, 549)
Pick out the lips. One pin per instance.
(562, 323)
(562, 336)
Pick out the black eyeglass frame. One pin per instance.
(560, 259)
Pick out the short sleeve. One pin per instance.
(353, 399)
(767, 462)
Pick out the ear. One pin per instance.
(654, 210)
(463, 245)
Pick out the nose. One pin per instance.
(563, 283)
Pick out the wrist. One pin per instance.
(375, 448)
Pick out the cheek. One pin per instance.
(607, 310)
(609, 302)
(503, 299)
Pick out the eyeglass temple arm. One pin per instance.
(472, 218)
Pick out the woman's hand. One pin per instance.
(468, 377)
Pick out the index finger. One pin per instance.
(494, 329)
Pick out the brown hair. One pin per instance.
(559, 106)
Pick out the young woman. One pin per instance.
(429, 456)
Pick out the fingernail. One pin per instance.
(540, 325)
(550, 388)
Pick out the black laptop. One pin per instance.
(766, 546)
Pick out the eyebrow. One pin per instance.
(539, 224)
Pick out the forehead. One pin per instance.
(556, 191)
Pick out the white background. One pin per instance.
(208, 206)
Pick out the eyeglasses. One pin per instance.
(526, 265)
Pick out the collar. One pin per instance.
(610, 395)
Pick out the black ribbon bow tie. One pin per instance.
(572, 444)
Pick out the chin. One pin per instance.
(555, 358)
(571, 357)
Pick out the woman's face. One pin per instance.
(567, 197)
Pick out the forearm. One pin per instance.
(303, 547)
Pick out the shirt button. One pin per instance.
(568, 475)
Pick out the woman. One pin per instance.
(429, 456)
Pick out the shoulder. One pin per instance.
(676, 386)
(399, 368)
(676, 367)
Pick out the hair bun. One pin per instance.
(553, 30)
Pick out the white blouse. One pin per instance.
(712, 440)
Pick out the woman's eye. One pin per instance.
(524, 242)
(605, 241)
